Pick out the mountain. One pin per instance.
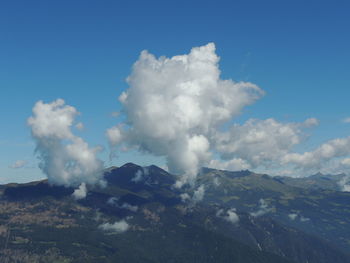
(140, 217)
(317, 181)
(319, 212)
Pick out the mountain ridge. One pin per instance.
(151, 207)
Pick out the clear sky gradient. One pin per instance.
(82, 51)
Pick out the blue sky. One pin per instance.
(82, 51)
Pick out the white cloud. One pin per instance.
(263, 209)
(138, 177)
(216, 181)
(322, 156)
(174, 105)
(185, 197)
(177, 107)
(66, 159)
(235, 164)
(258, 142)
(52, 120)
(311, 122)
(132, 208)
(81, 192)
(113, 201)
(304, 219)
(345, 161)
(114, 135)
(344, 183)
(230, 215)
(118, 227)
(293, 216)
(197, 196)
(346, 120)
(335, 165)
(18, 164)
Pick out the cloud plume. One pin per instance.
(174, 105)
(65, 158)
(181, 109)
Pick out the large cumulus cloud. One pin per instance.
(65, 158)
(175, 105)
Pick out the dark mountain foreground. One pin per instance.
(140, 217)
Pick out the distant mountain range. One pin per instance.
(317, 181)
(141, 217)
